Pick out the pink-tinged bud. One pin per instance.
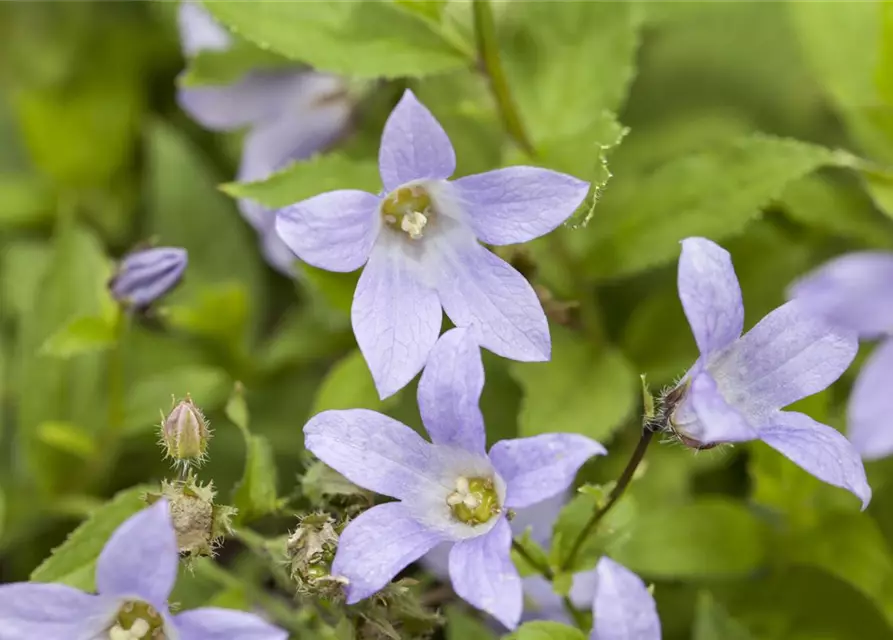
(185, 433)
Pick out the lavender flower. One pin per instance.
(291, 114)
(135, 574)
(622, 606)
(738, 386)
(855, 292)
(419, 242)
(144, 276)
(448, 490)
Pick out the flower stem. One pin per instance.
(616, 492)
(488, 51)
(543, 569)
(574, 613)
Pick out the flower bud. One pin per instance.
(185, 433)
(144, 276)
(199, 524)
(311, 549)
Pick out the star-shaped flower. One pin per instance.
(855, 292)
(447, 490)
(134, 576)
(419, 242)
(145, 276)
(738, 386)
(290, 113)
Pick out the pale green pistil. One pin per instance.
(474, 501)
(408, 209)
(137, 621)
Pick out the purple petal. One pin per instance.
(375, 452)
(542, 466)
(199, 31)
(377, 545)
(414, 146)
(396, 317)
(141, 558)
(333, 231)
(255, 98)
(31, 611)
(624, 609)
(715, 419)
(211, 623)
(820, 450)
(483, 293)
(710, 295)
(450, 390)
(312, 114)
(789, 355)
(854, 291)
(483, 574)
(869, 423)
(275, 251)
(145, 276)
(518, 204)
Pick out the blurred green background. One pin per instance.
(765, 126)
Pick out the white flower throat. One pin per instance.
(408, 209)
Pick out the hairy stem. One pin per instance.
(488, 51)
(543, 569)
(616, 492)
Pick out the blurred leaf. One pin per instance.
(81, 335)
(430, 9)
(27, 200)
(306, 178)
(349, 385)
(543, 630)
(801, 603)
(209, 67)
(187, 210)
(67, 437)
(712, 622)
(255, 495)
(150, 396)
(22, 266)
(580, 390)
(712, 193)
(708, 538)
(359, 39)
(303, 336)
(335, 290)
(219, 312)
(462, 626)
(569, 62)
(74, 562)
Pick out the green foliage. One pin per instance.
(712, 622)
(547, 631)
(361, 39)
(349, 385)
(81, 335)
(74, 562)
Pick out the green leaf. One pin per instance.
(255, 495)
(532, 549)
(462, 626)
(580, 390)
(67, 437)
(306, 178)
(334, 290)
(219, 312)
(710, 537)
(349, 385)
(568, 62)
(81, 335)
(27, 200)
(359, 39)
(22, 266)
(219, 68)
(74, 561)
(712, 621)
(543, 630)
(713, 193)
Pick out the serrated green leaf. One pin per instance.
(306, 178)
(712, 621)
(237, 409)
(81, 335)
(349, 385)
(74, 561)
(256, 494)
(580, 390)
(714, 193)
(218, 68)
(544, 630)
(568, 62)
(359, 39)
(710, 537)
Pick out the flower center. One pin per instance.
(137, 621)
(408, 209)
(474, 501)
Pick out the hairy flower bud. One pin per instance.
(185, 433)
(144, 276)
(311, 549)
